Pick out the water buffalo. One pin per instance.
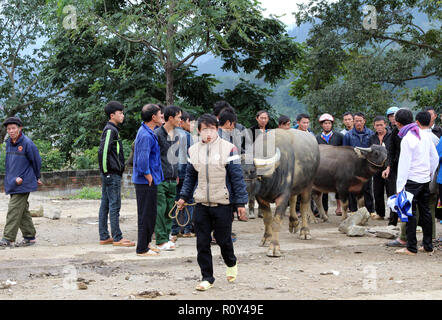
(284, 164)
(345, 169)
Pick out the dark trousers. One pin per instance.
(325, 200)
(218, 219)
(147, 214)
(380, 187)
(368, 198)
(421, 192)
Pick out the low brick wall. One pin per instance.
(57, 183)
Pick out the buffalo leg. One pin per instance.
(306, 210)
(293, 219)
(281, 206)
(317, 197)
(264, 209)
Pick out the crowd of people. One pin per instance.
(176, 170)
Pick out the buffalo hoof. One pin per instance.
(325, 218)
(265, 242)
(305, 234)
(274, 252)
(294, 227)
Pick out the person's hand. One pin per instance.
(180, 204)
(178, 180)
(19, 181)
(149, 178)
(241, 213)
(39, 182)
(386, 173)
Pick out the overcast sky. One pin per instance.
(280, 7)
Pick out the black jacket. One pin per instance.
(170, 169)
(256, 132)
(394, 149)
(110, 152)
(437, 131)
(335, 140)
(375, 139)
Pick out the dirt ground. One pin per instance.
(330, 266)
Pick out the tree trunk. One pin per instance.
(169, 86)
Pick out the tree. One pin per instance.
(177, 32)
(346, 67)
(23, 87)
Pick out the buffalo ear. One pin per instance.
(359, 153)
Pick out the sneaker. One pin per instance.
(419, 229)
(26, 243)
(166, 247)
(5, 243)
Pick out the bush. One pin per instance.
(88, 159)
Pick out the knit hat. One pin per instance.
(14, 120)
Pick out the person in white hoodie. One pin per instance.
(418, 161)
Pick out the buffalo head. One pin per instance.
(376, 155)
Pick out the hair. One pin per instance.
(113, 107)
(162, 107)
(431, 108)
(227, 115)
(359, 114)
(148, 111)
(424, 118)
(171, 111)
(185, 116)
(379, 118)
(283, 120)
(207, 119)
(221, 106)
(260, 112)
(348, 113)
(301, 116)
(403, 116)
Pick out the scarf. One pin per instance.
(326, 137)
(413, 127)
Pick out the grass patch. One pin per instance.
(87, 193)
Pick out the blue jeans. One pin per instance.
(110, 205)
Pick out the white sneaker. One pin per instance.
(419, 229)
(173, 244)
(166, 247)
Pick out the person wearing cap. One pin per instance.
(390, 116)
(333, 138)
(22, 176)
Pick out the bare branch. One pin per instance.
(407, 79)
(28, 89)
(420, 45)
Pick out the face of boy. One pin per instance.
(175, 121)
(118, 116)
(208, 133)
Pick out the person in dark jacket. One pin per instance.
(381, 185)
(214, 164)
(168, 139)
(22, 176)
(111, 163)
(333, 138)
(147, 174)
(360, 136)
(434, 128)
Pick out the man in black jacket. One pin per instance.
(333, 138)
(435, 129)
(381, 185)
(168, 139)
(111, 162)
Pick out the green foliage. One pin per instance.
(88, 159)
(427, 98)
(347, 68)
(88, 193)
(52, 159)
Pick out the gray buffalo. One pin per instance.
(345, 169)
(284, 164)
